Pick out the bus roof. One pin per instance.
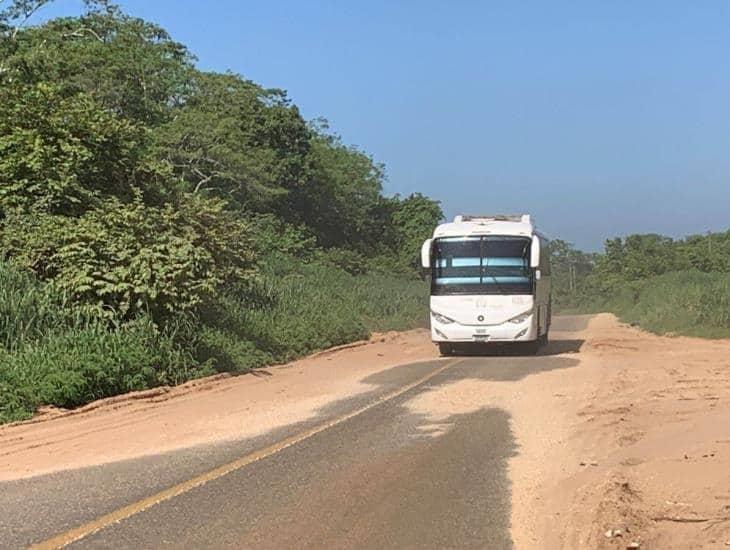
(508, 225)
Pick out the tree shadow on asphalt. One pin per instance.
(470, 435)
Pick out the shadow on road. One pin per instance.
(558, 347)
(406, 477)
(554, 347)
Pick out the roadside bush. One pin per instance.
(60, 152)
(300, 308)
(682, 302)
(52, 353)
(274, 236)
(349, 261)
(229, 348)
(28, 309)
(79, 365)
(129, 259)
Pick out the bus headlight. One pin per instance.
(521, 318)
(441, 318)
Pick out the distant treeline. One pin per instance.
(158, 222)
(663, 284)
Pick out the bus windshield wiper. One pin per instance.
(497, 284)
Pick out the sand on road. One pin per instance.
(630, 444)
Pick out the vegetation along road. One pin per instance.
(386, 445)
(167, 234)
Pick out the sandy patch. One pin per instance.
(206, 411)
(658, 425)
(631, 446)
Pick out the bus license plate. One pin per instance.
(481, 337)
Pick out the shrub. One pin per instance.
(79, 365)
(61, 152)
(57, 354)
(350, 261)
(297, 308)
(274, 236)
(28, 310)
(131, 259)
(682, 302)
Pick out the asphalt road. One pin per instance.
(364, 474)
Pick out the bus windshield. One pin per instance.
(481, 265)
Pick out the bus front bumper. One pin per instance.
(525, 331)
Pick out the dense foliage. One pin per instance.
(158, 222)
(665, 285)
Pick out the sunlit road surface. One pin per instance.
(368, 473)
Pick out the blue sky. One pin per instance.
(599, 118)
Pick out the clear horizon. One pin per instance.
(600, 120)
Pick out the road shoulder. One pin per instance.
(641, 453)
(207, 412)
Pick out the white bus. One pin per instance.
(490, 282)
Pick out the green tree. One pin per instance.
(124, 259)
(129, 66)
(639, 257)
(414, 219)
(708, 252)
(234, 139)
(62, 153)
(341, 200)
(570, 268)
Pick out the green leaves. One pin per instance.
(630, 267)
(414, 220)
(231, 138)
(296, 308)
(151, 213)
(82, 363)
(62, 154)
(128, 66)
(126, 259)
(570, 268)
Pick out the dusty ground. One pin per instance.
(206, 411)
(629, 445)
(633, 446)
(647, 421)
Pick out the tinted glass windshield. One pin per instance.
(481, 265)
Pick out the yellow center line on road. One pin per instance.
(78, 533)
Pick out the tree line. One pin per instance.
(139, 183)
(136, 188)
(629, 265)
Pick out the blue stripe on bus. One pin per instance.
(458, 280)
(459, 262)
(504, 262)
(477, 280)
(476, 262)
(498, 279)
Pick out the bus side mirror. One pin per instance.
(426, 254)
(535, 252)
(538, 275)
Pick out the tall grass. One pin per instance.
(29, 310)
(297, 309)
(79, 365)
(54, 354)
(51, 353)
(691, 303)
